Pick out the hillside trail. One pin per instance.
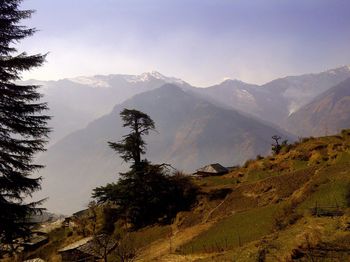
(214, 209)
(161, 250)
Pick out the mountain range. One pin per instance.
(190, 132)
(328, 113)
(226, 123)
(74, 102)
(275, 100)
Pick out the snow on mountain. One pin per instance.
(90, 81)
(300, 90)
(147, 76)
(100, 81)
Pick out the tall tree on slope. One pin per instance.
(133, 145)
(23, 128)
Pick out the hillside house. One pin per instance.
(36, 240)
(88, 249)
(212, 170)
(78, 251)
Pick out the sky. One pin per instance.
(200, 41)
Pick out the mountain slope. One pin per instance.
(328, 113)
(191, 132)
(251, 99)
(300, 90)
(75, 102)
(276, 100)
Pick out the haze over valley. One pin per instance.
(226, 123)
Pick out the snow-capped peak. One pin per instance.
(156, 74)
(90, 81)
(148, 76)
(339, 69)
(227, 80)
(104, 81)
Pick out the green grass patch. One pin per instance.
(256, 175)
(332, 192)
(328, 195)
(343, 157)
(299, 164)
(148, 235)
(234, 231)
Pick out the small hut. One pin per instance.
(36, 240)
(77, 251)
(88, 249)
(212, 170)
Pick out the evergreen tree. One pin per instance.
(147, 193)
(133, 145)
(23, 128)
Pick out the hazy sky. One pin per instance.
(200, 41)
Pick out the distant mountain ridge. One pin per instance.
(275, 100)
(74, 102)
(328, 113)
(300, 90)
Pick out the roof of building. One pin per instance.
(36, 240)
(213, 168)
(35, 260)
(90, 245)
(77, 244)
(80, 213)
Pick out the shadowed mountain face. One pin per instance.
(77, 101)
(297, 91)
(326, 114)
(251, 99)
(191, 132)
(276, 100)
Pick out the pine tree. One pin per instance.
(147, 193)
(133, 145)
(23, 128)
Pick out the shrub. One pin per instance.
(151, 197)
(247, 163)
(259, 157)
(219, 193)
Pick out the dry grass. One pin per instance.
(261, 209)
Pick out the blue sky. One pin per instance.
(200, 41)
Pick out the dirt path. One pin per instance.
(160, 250)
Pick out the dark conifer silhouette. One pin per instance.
(147, 193)
(133, 145)
(23, 128)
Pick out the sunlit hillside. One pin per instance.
(291, 206)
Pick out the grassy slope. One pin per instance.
(263, 209)
(268, 212)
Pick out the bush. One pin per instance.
(259, 157)
(220, 193)
(149, 196)
(287, 216)
(345, 132)
(247, 163)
